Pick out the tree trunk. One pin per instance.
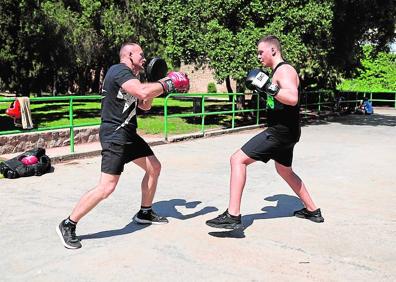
(54, 90)
(228, 85)
(96, 80)
(24, 88)
(240, 98)
(229, 88)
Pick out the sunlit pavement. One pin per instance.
(348, 165)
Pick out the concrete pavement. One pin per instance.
(91, 149)
(347, 164)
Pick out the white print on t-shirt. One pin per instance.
(129, 101)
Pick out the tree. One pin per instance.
(58, 44)
(80, 21)
(377, 73)
(357, 22)
(321, 38)
(224, 34)
(94, 33)
(29, 47)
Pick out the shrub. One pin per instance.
(212, 87)
(378, 73)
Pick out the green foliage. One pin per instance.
(29, 51)
(86, 32)
(377, 74)
(359, 21)
(60, 45)
(63, 45)
(224, 34)
(212, 87)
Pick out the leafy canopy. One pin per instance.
(377, 74)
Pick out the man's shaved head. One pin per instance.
(272, 40)
(128, 48)
(132, 55)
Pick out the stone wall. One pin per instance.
(16, 143)
(199, 79)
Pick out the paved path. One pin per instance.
(348, 165)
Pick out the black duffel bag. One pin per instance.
(14, 168)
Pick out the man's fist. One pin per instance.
(175, 82)
(258, 80)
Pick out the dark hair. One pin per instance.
(272, 39)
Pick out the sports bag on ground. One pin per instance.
(18, 167)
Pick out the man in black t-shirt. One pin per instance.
(122, 94)
(277, 141)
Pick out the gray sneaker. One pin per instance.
(67, 233)
(149, 217)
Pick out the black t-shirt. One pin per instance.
(284, 120)
(118, 113)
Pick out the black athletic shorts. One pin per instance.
(266, 145)
(115, 156)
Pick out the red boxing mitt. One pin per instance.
(175, 82)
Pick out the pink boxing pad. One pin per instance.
(29, 160)
(180, 80)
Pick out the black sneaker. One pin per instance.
(67, 233)
(149, 217)
(315, 216)
(226, 221)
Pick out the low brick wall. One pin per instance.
(49, 139)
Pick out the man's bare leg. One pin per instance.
(239, 162)
(296, 184)
(152, 167)
(89, 200)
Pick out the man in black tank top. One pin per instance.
(277, 141)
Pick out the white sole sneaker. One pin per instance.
(59, 232)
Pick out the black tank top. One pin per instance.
(284, 120)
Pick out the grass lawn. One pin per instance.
(46, 114)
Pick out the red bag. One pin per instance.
(14, 110)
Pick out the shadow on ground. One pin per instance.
(168, 208)
(371, 120)
(164, 208)
(285, 206)
(127, 229)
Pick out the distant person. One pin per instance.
(368, 106)
(122, 94)
(277, 141)
(365, 107)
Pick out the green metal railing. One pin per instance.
(70, 125)
(371, 97)
(200, 98)
(343, 97)
(324, 98)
